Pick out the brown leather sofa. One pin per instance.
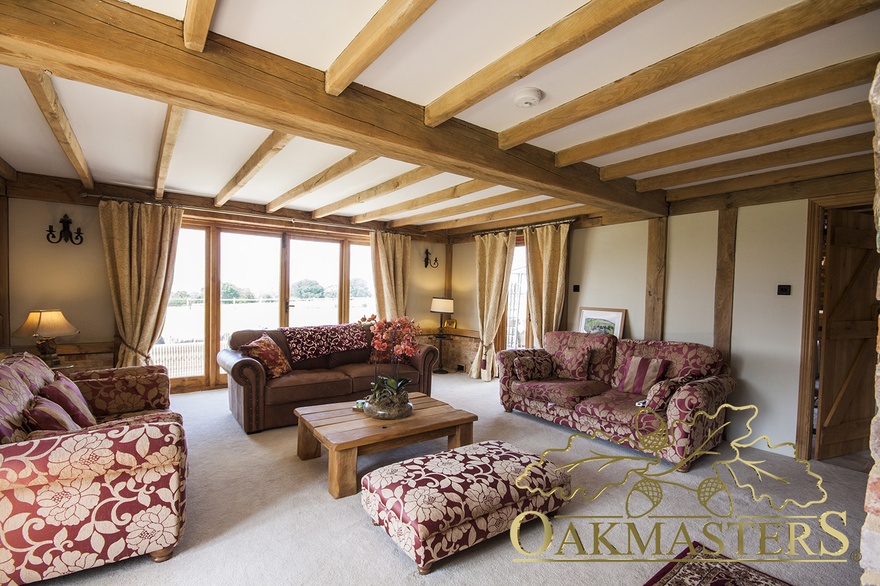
(259, 403)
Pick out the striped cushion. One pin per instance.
(48, 415)
(65, 393)
(641, 374)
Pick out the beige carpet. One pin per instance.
(258, 515)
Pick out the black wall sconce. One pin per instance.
(66, 235)
(428, 263)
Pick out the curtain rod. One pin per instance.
(526, 227)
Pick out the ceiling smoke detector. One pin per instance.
(527, 97)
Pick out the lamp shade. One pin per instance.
(442, 305)
(45, 323)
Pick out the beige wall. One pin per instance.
(63, 276)
(464, 285)
(690, 278)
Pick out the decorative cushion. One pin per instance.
(536, 367)
(65, 393)
(572, 362)
(640, 374)
(269, 354)
(659, 394)
(31, 370)
(48, 415)
(602, 349)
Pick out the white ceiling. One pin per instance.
(120, 134)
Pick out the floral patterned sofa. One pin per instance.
(593, 382)
(92, 468)
(272, 372)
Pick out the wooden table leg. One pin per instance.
(342, 473)
(464, 435)
(307, 445)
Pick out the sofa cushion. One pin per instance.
(565, 392)
(364, 373)
(269, 354)
(337, 359)
(619, 408)
(48, 415)
(31, 370)
(305, 385)
(14, 397)
(65, 393)
(685, 358)
(536, 367)
(640, 374)
(600, 346)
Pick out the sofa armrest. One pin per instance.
(705, 394)
(247, 388)
(124, 390)
(425, 360)
(506, 371)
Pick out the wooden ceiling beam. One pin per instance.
(499, 215)
(841, 166)
(386, 26)
(274, 144)
(170, 132)
(395, 183)
(7, 171)
(465, 208)
(835, 147)
(521, 221)
(575, 30)
(340, 169)
(769, 31)
(454, 192)
(243, 83)
(809, 85)
(842, 117)
(43, 91)
(196, 22)
(839, 185)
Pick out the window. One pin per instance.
(517, 301)
(250, 278)
(314, 283)
(362, 296)
(181, 346)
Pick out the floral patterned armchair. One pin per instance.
(84, 496)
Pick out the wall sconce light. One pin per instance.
(428, 263)
(66, 235)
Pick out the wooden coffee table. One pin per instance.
(347, 434)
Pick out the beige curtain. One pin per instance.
(390, 253)
(140, 247)
(546, 258)
(494, 261)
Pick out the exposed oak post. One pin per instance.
(724, 275)
(655, 288)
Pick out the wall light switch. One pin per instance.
(576, 288)
(783, 289)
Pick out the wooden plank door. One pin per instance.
(849, 335)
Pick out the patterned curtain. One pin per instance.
(494, 261)
(546, 257)
(390, 254)
(140, 247)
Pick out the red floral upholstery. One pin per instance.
(536, 367)
(71, 500)
(436, 505)
(697, 380)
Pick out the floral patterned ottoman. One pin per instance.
(436, 505)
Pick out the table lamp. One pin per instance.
(441, 305)
(45, 325)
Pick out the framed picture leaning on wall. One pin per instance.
(601, 320)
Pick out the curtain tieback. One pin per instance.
(146, 357)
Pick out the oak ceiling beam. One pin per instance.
(809, 85)
(531, 220)
(835, 147)
(841, 166)
(170, 132)
(340, 169)
(499, 215)
(386, 26)
(7, 171)
(395, 183)
(575, 30)
(839, 185)
(454, 192)
(243, 83)
(196, 22)
(44, 93)
(842, 117)
(274, 144)
(769, 31)
(465, 208)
